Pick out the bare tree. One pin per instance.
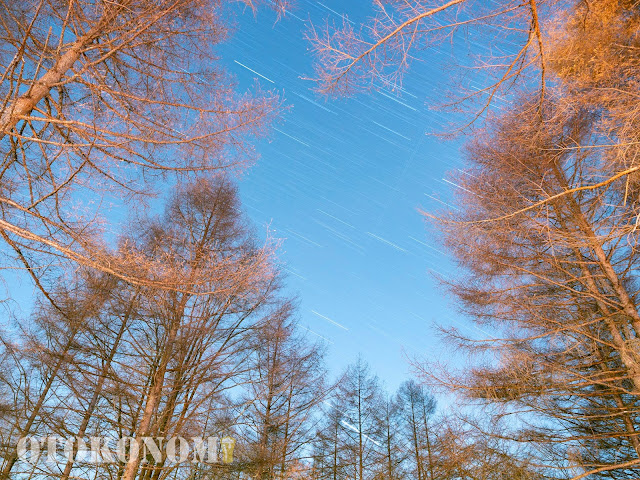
(103, 96)
(555, 286)
(550, 215)
(126, 360)
(42, 361)
(392, 461)
(349, 441)
(329, 457)
(416, 411)
(472, 449)
(285, 384)
(194, 348)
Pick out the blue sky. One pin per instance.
(341, 182)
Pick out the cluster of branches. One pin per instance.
(106, 358)
(545, 230)
(379, 53)
(110, 96)
(550, 250)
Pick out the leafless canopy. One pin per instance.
(108, 96)
(380, 52)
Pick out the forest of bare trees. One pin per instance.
(177, 324)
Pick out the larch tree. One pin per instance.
(285, 384)
(350, 438)
(328, 456)
(47, 360)
(377, 54)
(196, 345)
(392, 461)
(556, 284)
(119, 360)
(590, 48)
(110, 96)
(416, 411)
(469, 448)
